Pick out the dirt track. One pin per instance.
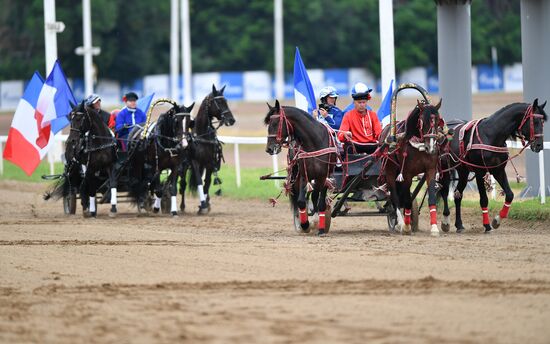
(242, 275)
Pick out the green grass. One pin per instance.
(254, 188)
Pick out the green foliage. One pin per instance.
(235, 35)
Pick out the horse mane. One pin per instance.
(411, 122)
(510, 107)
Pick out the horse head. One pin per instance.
(277, 128)
(531, 128)
(220, 110)
(425, 122)
(175, 123)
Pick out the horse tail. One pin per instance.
(60, 188)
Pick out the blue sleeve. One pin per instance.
(330, 121)
(140, 116)
(337, 116)
(119, 123)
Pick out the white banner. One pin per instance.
(417, 75)
(257, 86)
(10, 93)
(109, 91)
(202, 85)
(513, 78)
(159, 84)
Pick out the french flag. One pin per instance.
(303, 91)
(41, 112)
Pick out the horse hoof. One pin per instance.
(434, 231)
(203, 211)
(112, 214)
(445, 227)
(93, 214)
(305, 226)
(488, 229)
(496, 222)
(407, 230)
(321, 233)
(174, 214)
(156, 210)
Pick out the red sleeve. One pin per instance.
(377, 128)
(343, 127)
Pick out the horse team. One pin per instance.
(423, 144)
(175, 142)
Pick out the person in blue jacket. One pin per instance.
(127, 118)
(328, 112)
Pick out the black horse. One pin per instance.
(479, 146)
(90, 153)
(205, 150)
(312, 157)
(163, 146)
(417, 152)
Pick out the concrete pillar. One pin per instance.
(535, 50)
(454, 51)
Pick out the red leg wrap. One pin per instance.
(433, 215)
(407, 218)
(303, 215)
(485, 213)
(321, 220)
(505, 209)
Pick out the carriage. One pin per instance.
(74, 172)
(359, 178)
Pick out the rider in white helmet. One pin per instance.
(328, 112)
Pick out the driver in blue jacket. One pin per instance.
(128, 117)
(328, 112)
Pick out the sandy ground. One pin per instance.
(241, 274)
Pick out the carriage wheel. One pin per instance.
(69, 204)
(391, 217)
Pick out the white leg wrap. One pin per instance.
(157, 202)
(400, 220)
(173, 204)
(92, 204)
(202, 197)
(113, 196)
(434, 231)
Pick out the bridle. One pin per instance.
(283, 120)
(530, 116)
(222, 113)
(433, 133)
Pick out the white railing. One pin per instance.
(235, 140)
(238, 140)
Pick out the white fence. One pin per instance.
(236, 141)
(54, 156)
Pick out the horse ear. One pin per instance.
(191, 107)
(541, 106)
(277, 105)
(223, 88)
(213, 89)
(420, 104)
(536, 103)
(438, 104)
(269, 106)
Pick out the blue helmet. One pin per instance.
(360, 91)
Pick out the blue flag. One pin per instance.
(64, 99)
(385, 107)
(144, 103)
(303, 91)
